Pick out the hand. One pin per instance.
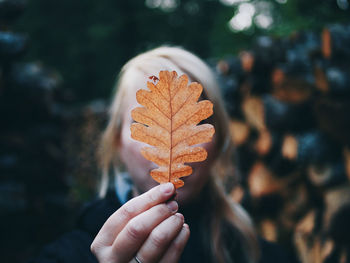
(145, 227)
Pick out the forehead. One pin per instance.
(131, 84)
(129, 103)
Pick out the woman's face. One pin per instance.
(139, 168)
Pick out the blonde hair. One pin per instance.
(224, 209)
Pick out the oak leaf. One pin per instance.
(168, 122)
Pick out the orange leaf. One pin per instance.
(168, 122)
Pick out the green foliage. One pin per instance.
(298, 15)
(88, 41)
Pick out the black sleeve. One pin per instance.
(271, 252)
(72, 247)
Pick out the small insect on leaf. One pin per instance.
(154, 78)
(168, 122)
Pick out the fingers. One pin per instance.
(134, 234)
(132, 208)
(176, 247)
(160, 238)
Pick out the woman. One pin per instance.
(138, 221)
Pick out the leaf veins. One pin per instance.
(168, 122)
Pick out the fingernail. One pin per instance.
(173, 206)
(180, 216)
(185, 229)
(167, 188)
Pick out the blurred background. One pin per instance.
(284, 70)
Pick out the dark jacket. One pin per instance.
(74, 246)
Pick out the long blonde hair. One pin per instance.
(184, 62)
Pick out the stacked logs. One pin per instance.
(289, 103)
(33, 185)
(47, 146)
(31, 156)
(30, 130)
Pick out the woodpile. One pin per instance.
(32, 159)
(43, 139)
(30, 130)
(289, 103)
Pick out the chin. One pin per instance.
(186, 196)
